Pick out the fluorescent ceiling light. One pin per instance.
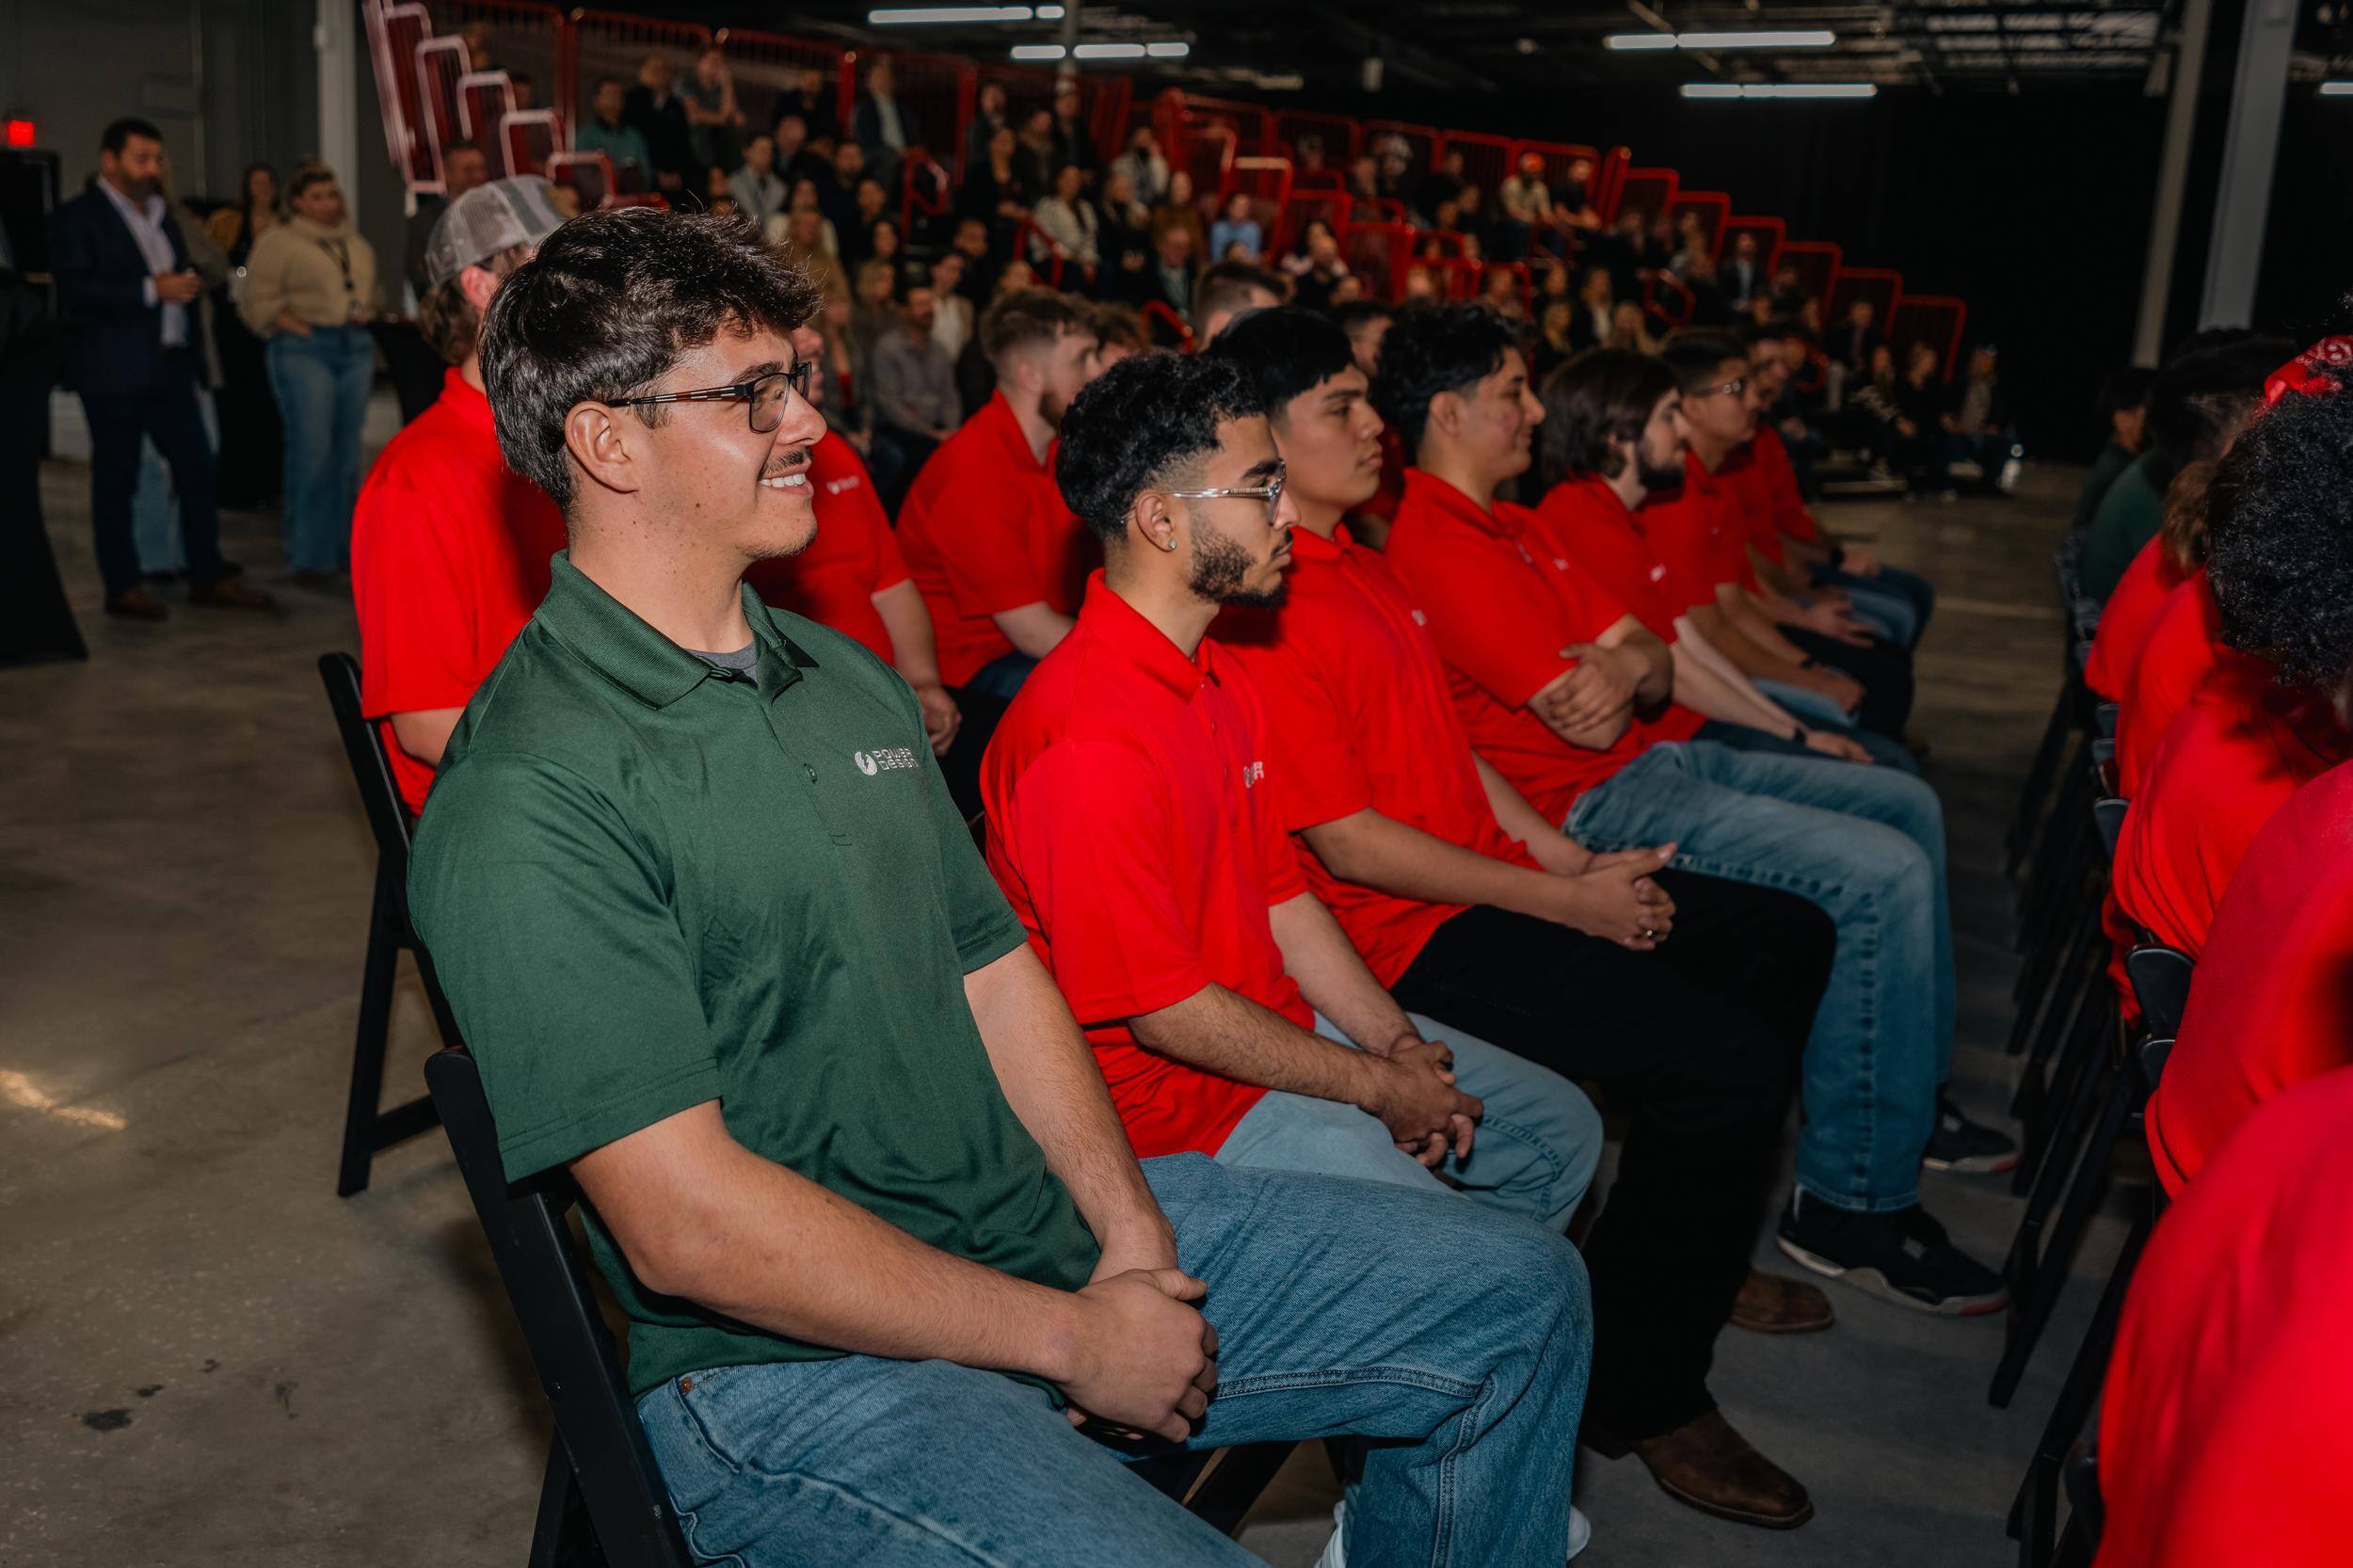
(1779, 89)
(900, 16)
(1809, 38)
(2336, 89)
(1169, 51)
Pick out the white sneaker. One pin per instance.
(1580, 1532)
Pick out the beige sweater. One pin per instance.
(294, 267)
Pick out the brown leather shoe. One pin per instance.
(138, 603)
(231, 593)
(1769, 1304)
(1713, 1468)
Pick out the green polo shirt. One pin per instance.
(647, 882)
(2128, 517)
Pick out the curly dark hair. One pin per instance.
(2279, 538)
(1136, 423)
(611, 301)
(1432, 350)
(1286, 351)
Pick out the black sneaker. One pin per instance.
(1961, 1145)
(1904, 1257)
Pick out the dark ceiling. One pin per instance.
(1509, 46)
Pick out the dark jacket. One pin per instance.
(101, 281)
(866, 126)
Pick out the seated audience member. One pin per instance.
(869, 1212)
(1367, 323)
(1983, 441)
(1177, 205)
(2197, 405)
(759, 191)
(1701, 536)
(1066, 220)
(1143, 164)
(1236, 236)
(1524, 207)
(610, 130)
(1074, 145)
(2180, 653)
(1612, 437)
(851, 578)
(2267, 720)
(1321, 269)
(989, 116)
(1118, 333)
(1173, 275)
(1034, 150)
(2140, 595)
(854, 238)
(998, 193)
(659, 113)
(449, 548)
(1547, 672)
(1228, 289)
(1924, 419)
(2123, 411)
(1123, 238)
(1851, 343)
(1474, 912)
(952, 311)
(881, 127)
(1894, 603)
(1131, 825)
(913, 396)
(2222, 1429)
(1000, 560)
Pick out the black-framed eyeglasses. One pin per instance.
(762, 396)
(1271, 492)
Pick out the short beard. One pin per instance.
(1050, 408)
(1659, 479)
(1220, 567)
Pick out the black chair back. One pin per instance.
(2160, 977)
(547, 1282)
(2108, 816)
(371, 767)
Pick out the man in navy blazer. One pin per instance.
(122, 271)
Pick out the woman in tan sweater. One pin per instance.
(309, 289)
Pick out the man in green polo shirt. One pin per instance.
(724, 949)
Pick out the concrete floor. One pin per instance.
(207, 1358)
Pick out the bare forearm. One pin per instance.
(1318, 956)
(1702, 689)
(1692, 644)
(1046, 1070)
(1740, 613)
(1401, 859)
(1222, 1032)
(424, 734)
(1034, 629)
(1544, 841)
(913, 652)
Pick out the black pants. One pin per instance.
(1883, 669)
(961, 766)
(166, 413)
(1699, 1042)
(417, 367)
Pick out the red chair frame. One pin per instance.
(1422, 139)
(1817, 263)
(1159, 310)
(1881, 286)
(1771, 234)
(1648, 191)
(1900, 334)
(1487, 161)
(516, 155)
(1715, 210)
(560, 167)
(1343, 137)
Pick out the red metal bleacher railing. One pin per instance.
(1157, 311)
(1321, 204)
(1881, 286)
(1648, 191)
(1207, 158)
(1380, 251)
(1420, 142)
(1817, 264)
(1487, 161)
(1102, 102)
(925, 191)
(768, 66)
(1771, 235)
(484, 99)
(1340, 136)
(441, 66)
(1177, 117)
(596, 44)
(1935, 319)
(1667, 299)
(394, 33)
(527, 139)
(587, 175)
(523, 37)
(1713, 208)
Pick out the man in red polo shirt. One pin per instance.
(1703, 536)
(1519, 934)
(449, 547)
(1613, 434)
(2129, 615)
(851, 578)
(997, 556)
(1546, 670)
(2223, 1435)
(1130, 824)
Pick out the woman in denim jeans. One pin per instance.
(310, 290)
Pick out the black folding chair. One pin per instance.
(603, 1501)
(367, 1130)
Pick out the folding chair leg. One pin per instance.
(2035, 797)
(367, 1054)
(564, 1537)
(2032, 1313)
(2034, 1512)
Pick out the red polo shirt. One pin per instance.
(1590, 525)
(1701, 534)
(2272, 1001)
(2232, 758)
(1501, 605)
(986, 531)
(853, 556)
(449, 558)
(1130, 825)
(1358, 718)
(1763, 489)
(2224, 1436)
(2126, 621)
(2183, 647)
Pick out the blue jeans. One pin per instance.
(1535, 1154)
(1456, 1337)
(155, 506)
(1867, 846)
(1898, 603)
(1741, 737)
(322, 384)
(1002, 677)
